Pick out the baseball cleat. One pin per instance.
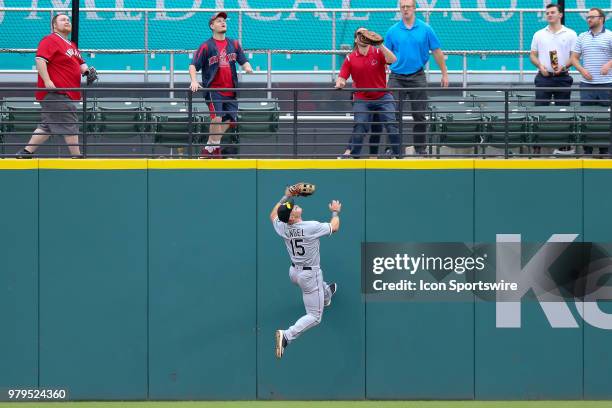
(281, 343)
(333, 287)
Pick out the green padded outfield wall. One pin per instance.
(328, 361)
(19, 276)
(408, 354)
(534, 361)
(202, 280)
(597, 227)
(164, 280)
(93, 280)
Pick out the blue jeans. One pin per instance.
(363, 110)
(589, 97)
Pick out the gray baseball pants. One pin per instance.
(314, 293)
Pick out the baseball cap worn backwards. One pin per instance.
(217, 15)
(284, 211)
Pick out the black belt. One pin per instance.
(561, 74)
(409, 75)
(306, 268)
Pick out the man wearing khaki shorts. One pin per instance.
(59, 65)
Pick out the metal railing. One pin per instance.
(317, 122)
(147, 51)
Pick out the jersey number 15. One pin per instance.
(296, 248)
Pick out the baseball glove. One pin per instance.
(91, 74)
(302, 189)
(370, 37)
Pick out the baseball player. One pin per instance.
(302, 241)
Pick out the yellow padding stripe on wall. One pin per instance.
(18, 164)
(422, 164)
(325, 164)
(528, 164)
(202, 164)
(596, 164)
(315, 164)
(93, 164)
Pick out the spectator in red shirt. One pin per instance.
(217, 59)
(367, 66)
(59, 65)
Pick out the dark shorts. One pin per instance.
(224, 106)
(58, 115)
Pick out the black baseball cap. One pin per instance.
(217, 15)
(284, 210)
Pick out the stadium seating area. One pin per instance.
(163, 121)
(478, 121)
(468, 125)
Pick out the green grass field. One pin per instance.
(325, 404)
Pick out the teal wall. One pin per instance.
(534, 361)
(166, 281)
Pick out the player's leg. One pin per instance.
(329, 291)
(313, 294)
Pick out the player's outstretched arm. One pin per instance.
(335, 206)
(282, 200)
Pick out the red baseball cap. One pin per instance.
(216, 16)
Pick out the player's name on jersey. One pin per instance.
(295, 232)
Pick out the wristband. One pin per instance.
(334, 214)
(283, 199)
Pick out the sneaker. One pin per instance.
(345, 156)
(563, 151)
(389, 154)
(281, 343)
(205, 154)
(333, 287)
(24, 154)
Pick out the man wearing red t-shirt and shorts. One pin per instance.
(367, 65)
(217, 59)
(59, 65)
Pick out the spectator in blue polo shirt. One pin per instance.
(411, 40)
(594, 47)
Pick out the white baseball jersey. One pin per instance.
(302, 240)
